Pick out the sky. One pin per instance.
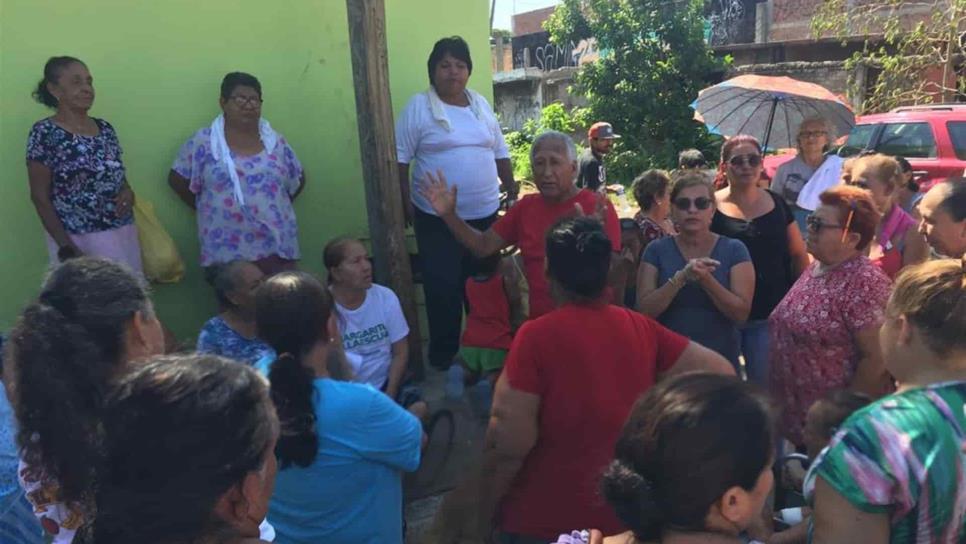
(506, 8)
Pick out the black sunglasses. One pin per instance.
(684, 203)
(816, 223)
(752, 159)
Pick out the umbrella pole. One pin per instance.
(771, 119)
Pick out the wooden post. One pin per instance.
(377, 147)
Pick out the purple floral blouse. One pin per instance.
(86, 175)
(265, 225)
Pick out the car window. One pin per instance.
(957, 133)
(858, 140)
(908, 140)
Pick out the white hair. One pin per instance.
(558, 138)
(827, 126)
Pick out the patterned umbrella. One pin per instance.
(769, 108)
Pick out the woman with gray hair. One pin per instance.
(815, 134)
(231, 333)
(553, 158)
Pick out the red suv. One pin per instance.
(932, 138)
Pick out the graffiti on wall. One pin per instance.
(537, 51)
(728, 22)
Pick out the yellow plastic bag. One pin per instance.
(159, 255)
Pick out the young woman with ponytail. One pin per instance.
(91, 318)
(570, 380)
(343, 446)
(680, 475)
(895, 471)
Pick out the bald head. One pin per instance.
(943, 211)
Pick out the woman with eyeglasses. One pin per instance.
(895, 470)
(897, 242)
(764, 222)
(824, 333)
(241, 177)
(697, 283)
(812, 142)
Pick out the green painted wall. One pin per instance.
(157, 67)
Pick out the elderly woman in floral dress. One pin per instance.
(241, 177)
(825, 332)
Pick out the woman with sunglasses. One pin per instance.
(241, 177)
(697, 283)
(763, 221)
(897, 242)
(825, 332)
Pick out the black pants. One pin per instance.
(445, 265)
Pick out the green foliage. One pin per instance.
(654, 60)
(916, 59)
(552, 117)
(501, 33)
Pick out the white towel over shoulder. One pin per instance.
(221, 152)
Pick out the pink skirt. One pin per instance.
(119, 245)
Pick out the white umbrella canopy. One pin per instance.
(769, 108)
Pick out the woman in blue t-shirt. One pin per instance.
(343, 446)
(697, 283)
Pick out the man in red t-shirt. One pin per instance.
(554, 161)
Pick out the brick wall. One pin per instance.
(790, 19)
(531, 21)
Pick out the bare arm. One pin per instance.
(511, 434)
(916, 249)
(41, 179)
(443, 200)
(870, 374)
(837, 521)
(734, 302)
(408, 210)
(511, 287)
(697, 358)
(504, 169)
(301, 186)
(651, 299)
(182, 187)
(397, 366)
(797, 251)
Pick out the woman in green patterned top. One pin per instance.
(895, 471)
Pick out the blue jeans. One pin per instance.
(754, 348)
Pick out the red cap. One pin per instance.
(602, 131)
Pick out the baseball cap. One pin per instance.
(602, 131)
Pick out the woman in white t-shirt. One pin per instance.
(451, 129)
(374, 330)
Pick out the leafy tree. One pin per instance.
(914, 54)
(552, 117)
(501, 33)
(654, 60)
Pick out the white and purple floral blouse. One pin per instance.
(265, 225)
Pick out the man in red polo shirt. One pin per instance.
(554, 161)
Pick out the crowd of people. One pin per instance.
(649, 374)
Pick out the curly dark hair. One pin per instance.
(292, 311)
(65, 348)
(178, 433)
